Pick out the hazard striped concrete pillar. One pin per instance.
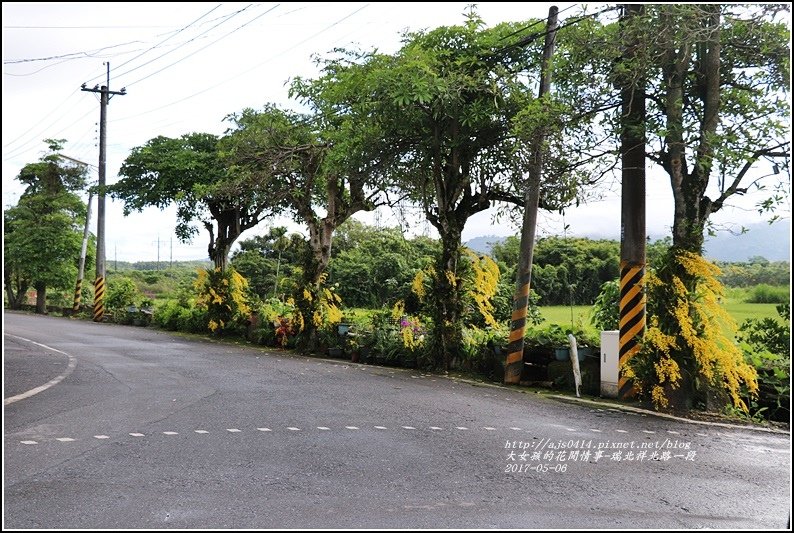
(632, 320)
(99, 299)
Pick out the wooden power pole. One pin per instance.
(515, 348)
(99, 283)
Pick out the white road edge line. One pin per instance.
(41, 388)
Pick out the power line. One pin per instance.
(8, 154)
(534, 36)
(204, 47)
(86, 53)
(168, 38)
(533, 24)
(227, 80)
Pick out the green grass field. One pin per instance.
(739, 311)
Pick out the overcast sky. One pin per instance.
(186, 66)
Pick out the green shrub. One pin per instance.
(606, 310)
(769, 294)
(766, 344)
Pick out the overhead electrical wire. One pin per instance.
(200, 49)
(227, 80)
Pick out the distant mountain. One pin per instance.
(771, 241)
(482, 245)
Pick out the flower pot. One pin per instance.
(562, 354)
(335, 352)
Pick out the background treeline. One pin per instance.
(373, 267)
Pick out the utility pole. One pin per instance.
(158, 251)
(99, 283)
(78, 289)
(515, 347)
(632, 212)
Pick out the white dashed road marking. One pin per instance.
(355, 428)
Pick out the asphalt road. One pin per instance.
(147, 429)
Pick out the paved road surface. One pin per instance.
(155, 430)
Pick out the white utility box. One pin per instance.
(609, 363)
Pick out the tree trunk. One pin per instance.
(320, 239)
(16, 290)
(447, 302)
(41, 298)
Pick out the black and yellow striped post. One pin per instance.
(515, 342)
(632, 212)
(99, 299)
(78, 296)
(632, 321)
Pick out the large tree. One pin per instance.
(718, 105)
(43, 232)
(188, 171)
(716, 85)
(440, 111)
(309, 166)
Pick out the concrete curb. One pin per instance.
(629, 408)
(669, 416)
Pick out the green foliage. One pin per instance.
(374, 267)
(556, 336)
(606, 310)
(766, 344)
(565, 270)
(756, 271)
(180, 315)
(43, 232)
(767, 294)
(189, 172)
